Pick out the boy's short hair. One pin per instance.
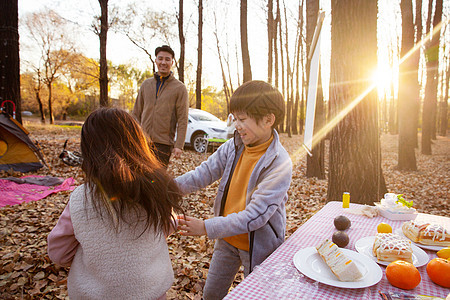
(257, 99)
(165, 48)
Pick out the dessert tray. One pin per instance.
(365, 244)
(395, 216)
(399, 231)
(394, 207)
(309, 262)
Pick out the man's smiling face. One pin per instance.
(164, 62)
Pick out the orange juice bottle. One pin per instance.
(346, 200)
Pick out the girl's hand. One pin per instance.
(191, 226)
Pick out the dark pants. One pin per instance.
(162, 153)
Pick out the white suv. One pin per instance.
(202, 124)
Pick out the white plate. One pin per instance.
(309, 262)
(365, 245)
(399, 231)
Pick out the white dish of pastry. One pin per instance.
(309, 262)
(427, 247)
(365, 247)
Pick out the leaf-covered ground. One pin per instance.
(27, 273)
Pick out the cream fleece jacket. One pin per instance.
(110, 265)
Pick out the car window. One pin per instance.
(204, 116)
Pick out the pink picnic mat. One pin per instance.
(12, 193)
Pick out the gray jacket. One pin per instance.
(264, 217)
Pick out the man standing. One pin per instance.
(162, 107)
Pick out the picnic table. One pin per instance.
(278, 278)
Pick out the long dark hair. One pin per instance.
(122, 172)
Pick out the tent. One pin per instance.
(17, 151)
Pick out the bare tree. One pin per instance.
(275, 39)
(224, 79)
(394, 52)
(289, 80)
(144, 27)
(37, 88)
(198, 83)
(9, 56)
(270, 40)
(227, 61)
(408, 92)
(283, 86)
(246, 66)
(443, 109)
(50, 33)
(103, 34)
(416, 57)
(315, 164)
(430, 101)
(297, 59)
(180, 17)
(355, 160)
(237, 65)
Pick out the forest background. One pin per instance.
(383, 69)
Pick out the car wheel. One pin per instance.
(199, 142)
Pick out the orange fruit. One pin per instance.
(403, 275)
(384, 228)
(438, 269)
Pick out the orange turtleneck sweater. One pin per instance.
(237, 191)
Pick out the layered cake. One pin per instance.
(427, 234)
(391, 247)
(341, 266)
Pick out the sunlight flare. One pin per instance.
(380, 76)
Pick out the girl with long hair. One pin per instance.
(113, 231)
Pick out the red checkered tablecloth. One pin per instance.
(277, 277)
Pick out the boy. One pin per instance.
(249, 211)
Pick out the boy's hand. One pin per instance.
(191, 226)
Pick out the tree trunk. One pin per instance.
(355, 158)
(198, 84)
(416, 104)
(270, 40)
(246, 66)
(9, 57)
(275, 39)
(283, 86)
(182, 42)
(227, 61)
(315, 164)
(41, 107)
(393, 125)
(50, 106)
(443, 119)
(288, 78)
(430, 101)
(103, 80)
(224, 78)
(408, 94)
(298, 75)
(237, 65)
